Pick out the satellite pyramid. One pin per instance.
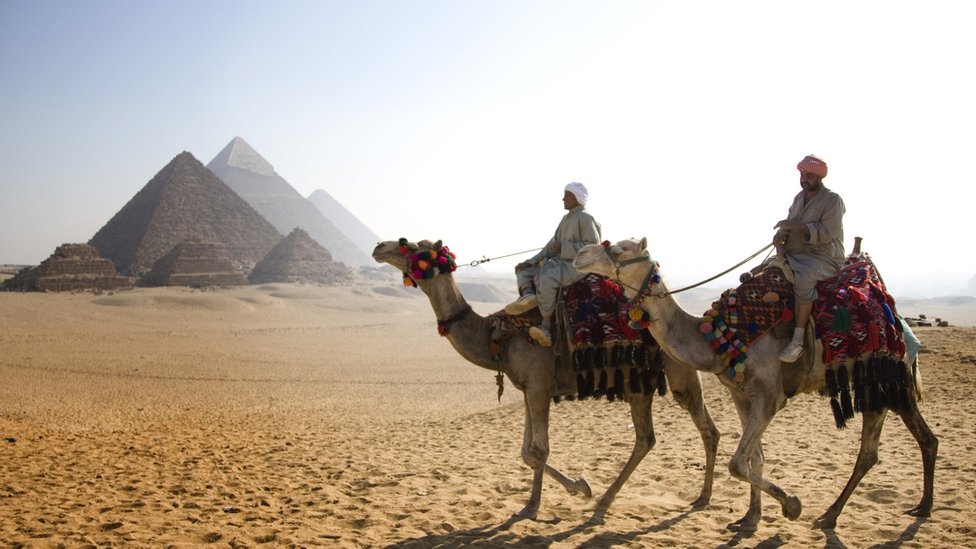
(361, 235)
(183, 201)
(71, 267)
(254, 179)
(195, 263)
(299, 258)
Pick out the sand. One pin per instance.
(285, 415)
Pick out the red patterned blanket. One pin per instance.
(854, 315)
(612, 352)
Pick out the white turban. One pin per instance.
(579, 191)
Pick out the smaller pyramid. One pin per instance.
(299, 258)
(71, 267)
(195, 263)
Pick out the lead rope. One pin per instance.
(723, 273)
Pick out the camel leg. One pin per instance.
(929, 445)
(535, 449)
(746, 462)
(749, 521)
(686, 387)
(866, 458)
(640, 412)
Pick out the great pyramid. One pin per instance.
(299, 258)
(183, 201)
(254, 179)
(195, 263)
(350, 225)
(71, 267)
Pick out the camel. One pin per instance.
(531, 369)
(763, 392)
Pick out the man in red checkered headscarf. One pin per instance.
(811, 238)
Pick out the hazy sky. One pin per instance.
(463, 120)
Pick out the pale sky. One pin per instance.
(464, 120)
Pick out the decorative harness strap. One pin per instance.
(443, 326)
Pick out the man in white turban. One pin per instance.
(811, 238)
(541, 277)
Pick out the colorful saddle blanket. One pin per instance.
(606, 335)
(855, 315)
(744, 314)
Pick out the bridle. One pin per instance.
(409, 279)
(652, 277)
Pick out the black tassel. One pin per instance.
(831, 383)
(577, 360)
(658, 361)
(640, 356)
(858, 385)
(588, 358)
(600, 356)
(618, 382)
(588, 385)
(647, 382)
(580, 385)
(555, 399)
(838, 413)
(634, 377)
(845, 392)
(662, 383)
(616, 355)
(602, 388)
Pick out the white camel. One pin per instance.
(764, 391)
(531, 369)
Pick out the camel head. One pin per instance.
(416, 260)
(606, 259)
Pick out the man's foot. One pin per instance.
(792, 351)
(541, 334)
(522, 305)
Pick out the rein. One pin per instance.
(653, 277)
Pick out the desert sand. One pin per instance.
(285, 415)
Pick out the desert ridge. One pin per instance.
(287, 414)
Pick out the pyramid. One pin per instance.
(184, 200)
(299, 258)
(71, 267)
(195, 263)
(360, 235)
(254, 179)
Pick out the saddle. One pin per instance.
(598, 340)
(854, 323)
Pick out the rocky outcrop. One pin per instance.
(72, 267)
(195, 263)
(299, 258)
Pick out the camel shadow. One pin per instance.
(502, 536)
(833, 541)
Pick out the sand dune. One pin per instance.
(306, 416)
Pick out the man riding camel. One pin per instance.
(811, 238)
(541, 277)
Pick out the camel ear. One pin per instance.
(437, 245)
(643, 244)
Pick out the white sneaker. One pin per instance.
(522, 305)
(792, 351)
(541, 334)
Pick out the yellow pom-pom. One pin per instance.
(636, 313)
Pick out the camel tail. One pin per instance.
(917, 380)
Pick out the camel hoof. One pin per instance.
(920, 511)
(701, 502)
(582, 487)
(744, 524)
(528, 512)
(792, 508)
